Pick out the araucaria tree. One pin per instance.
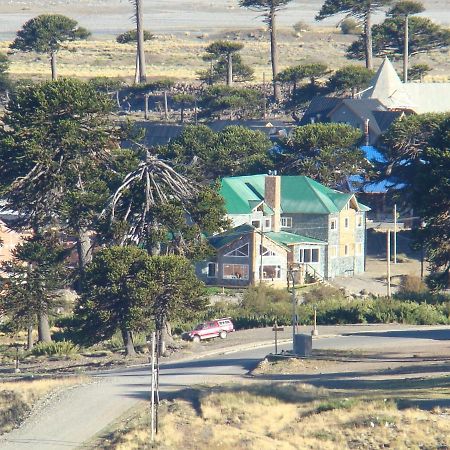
(269, 10)
(362, 11)
(140, 74)
(46, 34)
(326, 152)
(31, 284)
(226, 63)
(405, 9)
(388, 38)
(128, 290)
(56, 146)
(350, 79)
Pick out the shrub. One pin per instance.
(412, 284)
(300, 27)
(350, 26)
(62, 348)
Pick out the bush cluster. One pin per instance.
(62, 348)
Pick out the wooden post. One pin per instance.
(146, 96)
(276, 337)
(264, 96)
(395, 234)
(388, 261)
(166, 108)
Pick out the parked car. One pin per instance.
(214, 328)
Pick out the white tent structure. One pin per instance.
(420, 98)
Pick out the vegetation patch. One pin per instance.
(287, 416)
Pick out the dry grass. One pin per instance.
(180, 57)
(285, 416)
(18, 397)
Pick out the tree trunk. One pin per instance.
(84, 248)
(53, 64)
(30, 342)
(127, 337)
(136, 70)
(43, 328)
(368, 40)
(274, 54)
(182, 113)
(406, 50)
(140, 41)
(230, 69)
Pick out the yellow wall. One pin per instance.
(347, 236)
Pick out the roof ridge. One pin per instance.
(308, 179)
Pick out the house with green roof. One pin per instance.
(322, 229)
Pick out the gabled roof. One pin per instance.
(222, 239)
(318, 109)
(299, 195)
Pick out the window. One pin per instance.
(286, 222)
(346, 222)
(240, 251)
(346, 250)
(212, 270)
(271, 272)
(267, 223)
(359, 220)
(235, 271)
(333, 224)
(265, 251)
(256, 223)
(309, 255)
(333, 251)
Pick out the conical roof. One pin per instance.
(387, 87)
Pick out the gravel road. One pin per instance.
(76, 415)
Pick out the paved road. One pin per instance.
(82, 412)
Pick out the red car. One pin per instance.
(214, 328)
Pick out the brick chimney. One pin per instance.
(272, 197)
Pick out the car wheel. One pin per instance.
(223, 335)
(196, 339)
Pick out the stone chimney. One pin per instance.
(272, 197)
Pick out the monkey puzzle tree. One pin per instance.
(57, 143)
(228, 63)
(350, 78)
(362, 11)
(269, 10)
(46, 34)
(405, 9)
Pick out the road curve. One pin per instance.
(78, 414)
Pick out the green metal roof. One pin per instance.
(299, 194)
(285, 238)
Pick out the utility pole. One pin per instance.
(146, 96)
(395, 234)
(166, 108)
(261, 272)
(388, 262)
(153, 386)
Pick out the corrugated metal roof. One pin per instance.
(299, 195)
(285, 238)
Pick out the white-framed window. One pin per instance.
(346, 222)
(267, 223)
(240, 251)
(266, 251)
(256, 223)
(286, 222)
(235, 271)
(333, 251)
(333, 224)
(309, 255)
(212, 270)
(271, 272)
(359, 221)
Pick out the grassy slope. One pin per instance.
(180, 57)
(290, 416)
